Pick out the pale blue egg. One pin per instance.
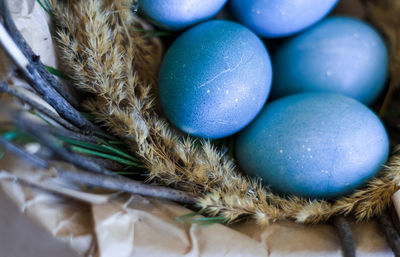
(318, 145)
(339, 54)
(279, 18)
(214, 79)
(179, 14)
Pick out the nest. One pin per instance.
(112, 61)
(118, 67)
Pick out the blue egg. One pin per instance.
(279, 18)
(179, 14)
(340, 55)
(317, 145)
(214, 79)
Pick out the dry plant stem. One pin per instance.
(59, 131)
(128, 186)
(23, 154)
(345, 235)
(391, 234)
(39, 107)
(32, 57)
(63, 153)
(33, 77)
(113, 183)
(105, 163)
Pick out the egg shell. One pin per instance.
(179, 14)
(317, 145)
(214, 79)
(271, 18)
(340, 55)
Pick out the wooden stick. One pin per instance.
(22, 153)
(391, 234)
(345, 235)
(117, 183)
(63, 153)
(36, 105)
(128, 186)
(32, 76)
(32, 57)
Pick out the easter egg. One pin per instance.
(179, 14)
(214, 79)
(271, 18)
(317, 145)
(340, 55)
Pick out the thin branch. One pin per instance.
(33, 58)
(345, 235)
(59, 131)
(104, 181)
(391, 234)
(32, 75)
(36, 105)
(128, 186)
(63, 153)
(22, 153)
(105, 163)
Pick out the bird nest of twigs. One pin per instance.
(115, 134)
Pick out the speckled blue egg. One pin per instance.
(279, 18)
(317, 145)
(179, 14)
(214, 79)
(340, 55)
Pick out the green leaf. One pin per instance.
(57, 73)
(127, 172)
(47, 8)
(122, 154)
(87, 115)
(17, 135)
(1, 155)
(10, 136)
(195, 218)
(153, 33)
(84, 144)
(112, 142)
(105, 135)
(40, 117)
(105, 148)
(44, 7)
(107, 156)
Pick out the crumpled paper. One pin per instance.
(121, 225)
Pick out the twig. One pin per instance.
(22, 153)
(392, 236)
(36, 105)
(63, 153)
(32, 57)
(59, 131)
(104, 181)
(345, 235)
(128, 186)
(105, 163)
(32, 75)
